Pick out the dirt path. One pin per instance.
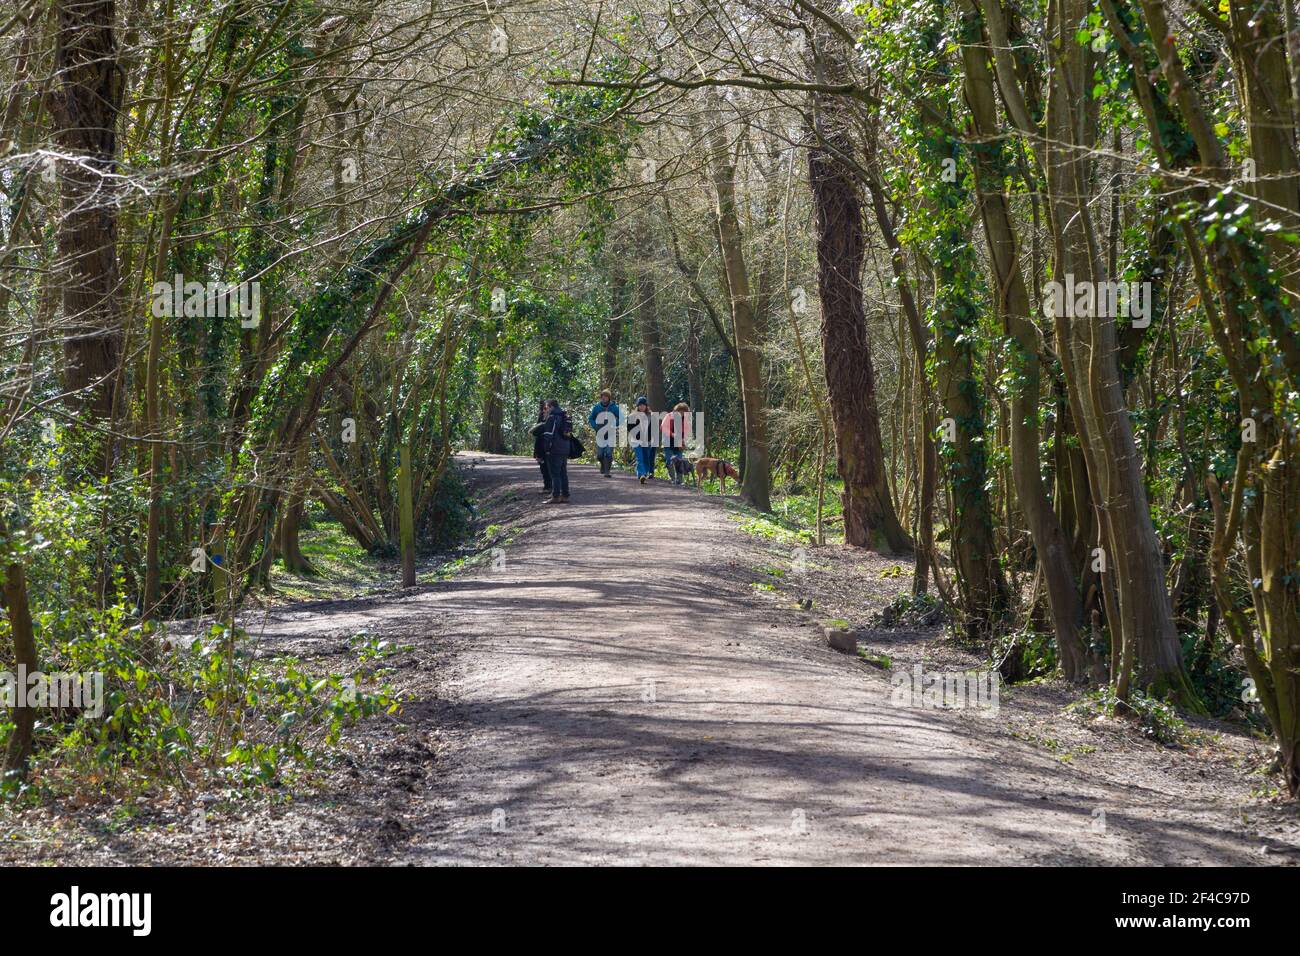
(617, 692)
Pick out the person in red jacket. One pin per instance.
(675, 433)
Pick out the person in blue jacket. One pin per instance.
(645, 448)
(604, 419)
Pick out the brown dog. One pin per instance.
(715, 468)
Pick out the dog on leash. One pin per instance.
(683, 468)
(715, 468)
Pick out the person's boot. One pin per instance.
(553, 500)
(564, 497)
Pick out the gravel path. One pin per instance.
(618, 694)
(612, 688)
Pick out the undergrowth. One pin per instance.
(1156, 719)
(191, 712)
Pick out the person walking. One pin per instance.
(605, 417)
(644, 444)
(539, 448)
(556, 431)
(676, 429)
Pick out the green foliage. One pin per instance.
(911, 610)
(447, 518)
(773, 529)
(882, 661)
(1035, 654)
(800, 508)
(176, 709)
(1155, 718)
(339, 564)
(913, 45)
(1227, 220)
(1217, 680)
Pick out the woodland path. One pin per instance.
(613, 694)
(616, 691)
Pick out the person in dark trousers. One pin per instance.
(604, 419)
(645, 445)
(556, 430)
(539, 448)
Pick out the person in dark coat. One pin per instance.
(539, 449)
(556, 431)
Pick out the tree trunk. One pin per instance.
(694, 374)
(1089, 354)
(928, 456)
(289, 547)
(85, 104)
(869, 517)
(981, 586)
(651, 348)
(19, 749)
(1013, 306)
(614, 333)
(490, 436)
(755, 487)
(344, 515)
